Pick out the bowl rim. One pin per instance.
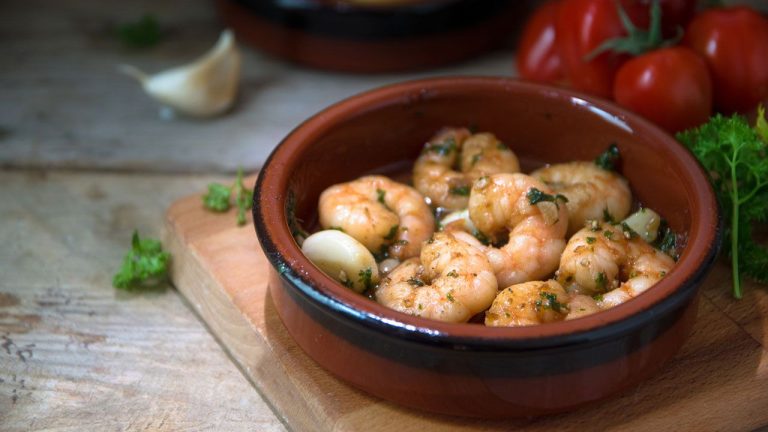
(287, 259)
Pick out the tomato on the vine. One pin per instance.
(734, 43)
(670, 86)
(675, 14)
(537, 56)
(583, 26)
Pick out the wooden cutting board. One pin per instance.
(718, 381)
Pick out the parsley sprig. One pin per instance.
(220, 198)
(144, 266)
(735, 156)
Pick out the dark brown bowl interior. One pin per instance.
(384, 130)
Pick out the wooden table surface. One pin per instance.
(85, 160)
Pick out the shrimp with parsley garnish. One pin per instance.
(594, 191)
(451, 281)
(383, 215)
(453, 159)
(612, 263)
(528, 303)
(535, 221)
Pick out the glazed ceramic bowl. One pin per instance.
(374, 36)
(470, 369)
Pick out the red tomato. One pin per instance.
(734, 43)
(537, 56)
(582, 25)
(671, 87)
(674, 14)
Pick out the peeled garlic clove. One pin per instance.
(458, 219)
(203, 88)
(645, 222)
(343, 258)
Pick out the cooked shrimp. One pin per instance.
(593, 193)
(453, 159)
(380, 213)
(528, 303)
(604, 258)
(452, 281)
(646, 266)
(581, 305)
(501, 204)
(592, 259)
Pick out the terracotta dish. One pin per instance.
(470, 369)
(383, 36)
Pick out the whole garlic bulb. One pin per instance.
(203, 88)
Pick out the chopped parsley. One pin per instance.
(415, 282)
(482, 238)
(443, 148)
(380, 194)
(460, 190)
(382, 254)
(365, 278)
(667, 243)
(629, 233)
(452, 274)
(607, 216)
(609, 158)
(591, 240)
(536, 196)
(549, 301)
(294, 223)
(144, 266)
(217, 198)
(601, 281)
(392, 233)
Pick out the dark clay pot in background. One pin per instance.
(355, 38)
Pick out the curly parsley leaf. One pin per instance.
(220, 198)
(144, 266)
(735, 156)
(217, 198)
(242, 198)
(536, 196)
(608, 159)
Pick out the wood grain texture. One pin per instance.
(717, 382)
(76, 354)
(66, 53)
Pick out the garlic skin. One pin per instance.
(203, 88)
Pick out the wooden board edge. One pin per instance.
(237, 336)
